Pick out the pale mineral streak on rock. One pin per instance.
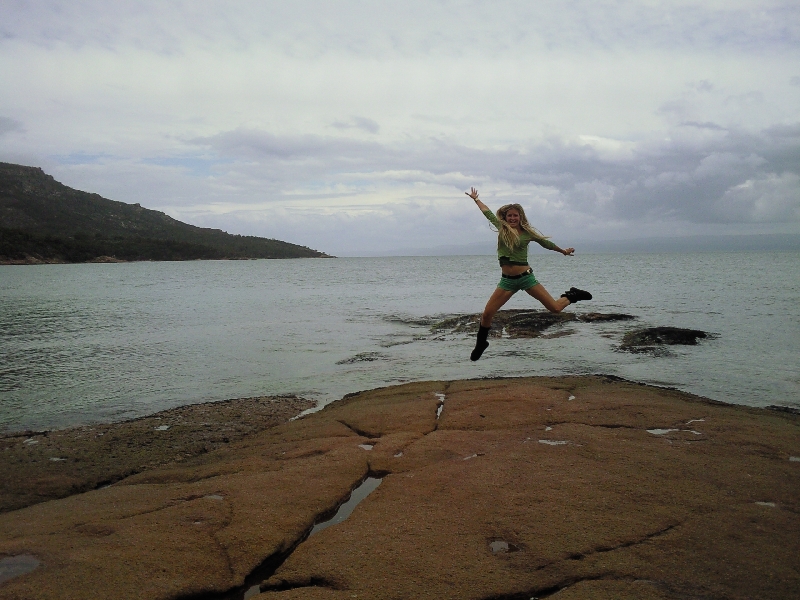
(615, 513)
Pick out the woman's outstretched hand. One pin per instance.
(568, 251)
(472, 193)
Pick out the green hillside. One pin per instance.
(42, 220)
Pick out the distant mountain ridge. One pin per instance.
(42, 220)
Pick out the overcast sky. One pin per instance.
(356, 126)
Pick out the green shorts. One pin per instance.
(515, 283)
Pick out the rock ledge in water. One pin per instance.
(523, 323)
(653, 338)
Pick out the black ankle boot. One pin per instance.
(574, 295)
(481, 344)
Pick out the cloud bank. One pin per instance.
(355, 127)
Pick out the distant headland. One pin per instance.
(44, 221)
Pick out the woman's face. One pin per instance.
(512, 217)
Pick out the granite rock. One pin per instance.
(652, 339)
(599, 488)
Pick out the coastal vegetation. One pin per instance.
(44, 221)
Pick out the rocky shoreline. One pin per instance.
(38, 466)
(570, 487)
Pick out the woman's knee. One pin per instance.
(556, 306)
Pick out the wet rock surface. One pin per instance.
(46, 465)
(654, 338)
(470, 505)
(522, 323)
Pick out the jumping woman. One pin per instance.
(514, 233)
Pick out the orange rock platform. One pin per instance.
(522, 488)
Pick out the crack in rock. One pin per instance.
(312, 582)
(225, 523)
(600, 550)
(360, 432)
(552, 590)
(257, 577)
(628, 544)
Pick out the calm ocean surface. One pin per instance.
(104, 342)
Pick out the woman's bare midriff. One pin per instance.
(514, 269)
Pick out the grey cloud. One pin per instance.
(697, 180)
(704, 125)
(310, 27)
(367, 125)
(331, 151)
(10, 125)
(783, 131)
(678, 180)
(771, 198)
(703, 85)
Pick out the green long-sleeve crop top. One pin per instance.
(518, 255)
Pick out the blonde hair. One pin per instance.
(510, 236)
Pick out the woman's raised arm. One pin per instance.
(473, 193)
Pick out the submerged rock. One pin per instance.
(363, 357)
(594, 317)
(523, 323)
(653, 338)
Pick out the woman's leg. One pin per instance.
(498, 298)
(543, 296)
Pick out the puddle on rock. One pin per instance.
(770, 504)
(398, 455)
(357, 495)
(794, 459)
(214, 497)
(30, 441)
(161, 428)
(571, 398)
(665, 431)
(366, 446)
(554, 442)
(14, 566)
(695, 421)
(499, 546)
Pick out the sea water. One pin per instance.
(105, 342)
